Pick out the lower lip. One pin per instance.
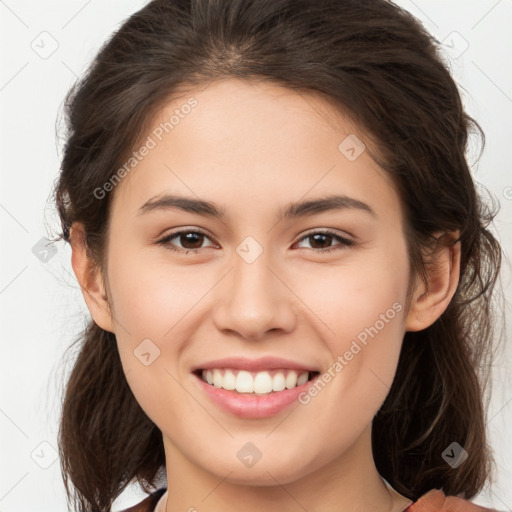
(253, 406)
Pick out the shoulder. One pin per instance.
(433, 501)
(436, 501)
(148, 504)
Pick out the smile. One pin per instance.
(251, 394)
(256, 383)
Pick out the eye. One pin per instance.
(192, 240)
(324, 237)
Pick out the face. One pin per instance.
(265, 289)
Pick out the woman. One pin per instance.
(214, 148)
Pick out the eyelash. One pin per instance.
(345, 242)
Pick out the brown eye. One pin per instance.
(190, 240)
(324, 239)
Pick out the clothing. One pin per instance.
(436, 501)
(149, 504)
(432, 501)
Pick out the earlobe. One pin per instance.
(430, 300)
(90, 280)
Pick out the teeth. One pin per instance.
(302, 379)
(279, 382)
(259, 383)
(291, 380)
(229, 381)
(244, 382)
(262, 383)
(217, 378)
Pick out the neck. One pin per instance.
(344, 484)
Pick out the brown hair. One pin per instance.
(378, 64)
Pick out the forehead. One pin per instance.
(238, 141)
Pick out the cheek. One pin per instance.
(363, 307)
(150, 299)
(156, 308)
(368, 315)
(363, 300)
(368, 325)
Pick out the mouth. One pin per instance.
(255, 383)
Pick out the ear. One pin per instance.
(90, 280)
(431, 300)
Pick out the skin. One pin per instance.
(253, 148)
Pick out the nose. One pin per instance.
(254, 299)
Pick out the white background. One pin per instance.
(42, 309)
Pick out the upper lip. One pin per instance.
(254, 365)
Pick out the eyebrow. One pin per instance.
(293, 210)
